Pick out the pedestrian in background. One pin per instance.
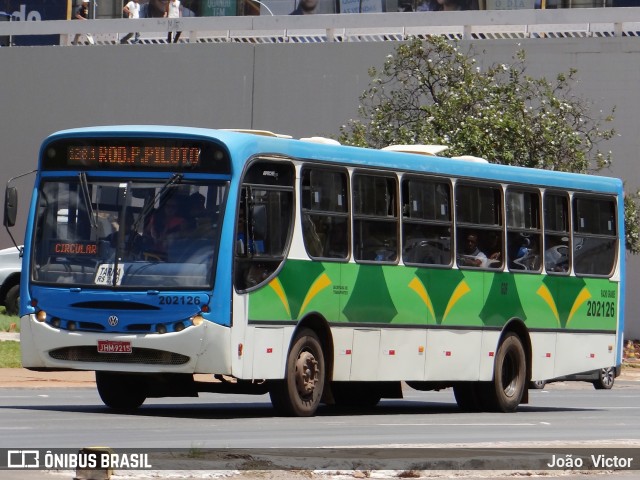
(173, 10)
(82, 13)
(132, 9)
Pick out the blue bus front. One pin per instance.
(123, 250)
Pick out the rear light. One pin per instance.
(41, 316)
(197, 320)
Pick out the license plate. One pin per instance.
(105, 273)
(114, 346)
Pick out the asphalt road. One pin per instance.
(565, 415)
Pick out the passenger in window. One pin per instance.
(197, 216)
(380, 242)
(527, 257)
(241, 234)
(245, 243)
(470, 255)
(133, 242)
(167, 222)
(494, 249)
(556, 256)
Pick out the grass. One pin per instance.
(10, 355)
(9, 351)
(9, 323)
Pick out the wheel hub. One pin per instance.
(306, 373)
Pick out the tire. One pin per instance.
(12, 300)
(299, 394)
(506, 390)
(606, 379)
(120, 391)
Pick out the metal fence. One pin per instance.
(476, 25)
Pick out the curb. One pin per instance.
(9, 336)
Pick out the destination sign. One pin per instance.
(141, 153)
(73, 249)
(133, 155)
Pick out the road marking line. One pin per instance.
(455, 424)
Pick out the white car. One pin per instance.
(602, 379)
(10, 267)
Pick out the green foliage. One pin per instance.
(631, 222)
(432, 92)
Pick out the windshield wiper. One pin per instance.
(84, 186)
(175, 179)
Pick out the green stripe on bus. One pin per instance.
(395, 295)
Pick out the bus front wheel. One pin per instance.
(506, 390)
(120, 391)
(300, 392)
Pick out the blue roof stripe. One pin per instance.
(243, 145)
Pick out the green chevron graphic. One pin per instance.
(354, 293)
(370, 300)
(503, 301)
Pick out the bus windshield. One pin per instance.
(136, 234)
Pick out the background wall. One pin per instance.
(298, 89)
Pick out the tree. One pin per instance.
(432, 92)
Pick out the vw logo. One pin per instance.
(113, 320)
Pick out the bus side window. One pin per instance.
(375, 214)
(595, 235)
(426, 221)
(325, 212)
(264, 223)
(557, 253)
(479, 226)
(524, 230)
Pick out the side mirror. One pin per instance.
(10, 206)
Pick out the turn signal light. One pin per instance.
(197, 320)
(41, 316)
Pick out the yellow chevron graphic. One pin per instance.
(461, 290)
(277, 287)
(417, 286)
(544, 292)
(582, 297)
(322, 282)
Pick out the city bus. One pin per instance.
(174, 261)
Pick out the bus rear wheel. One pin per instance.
(505, 392)
(300, 392)
(120, 391)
